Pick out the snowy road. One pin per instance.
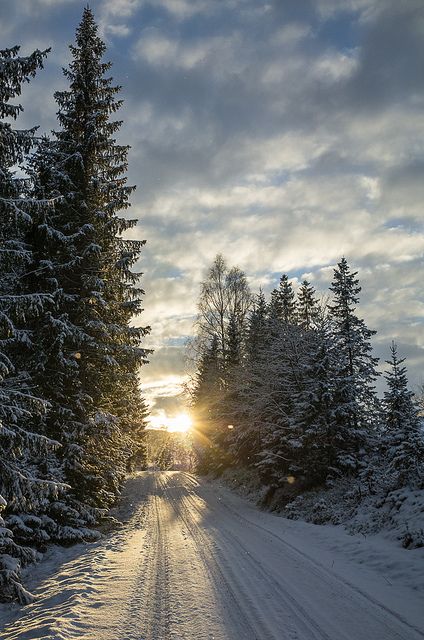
(194, 562)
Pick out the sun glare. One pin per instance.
(180, 423)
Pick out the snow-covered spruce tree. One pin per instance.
(280, 383)
(24, 488)
(257, 335)
(234, 351)
(283, 302)
(307, 306)
(89, 358)
(246, 436)
(356, 407)
(206, 395)
(230, 410)
(312, 422)
(278, 378)
(403, 440)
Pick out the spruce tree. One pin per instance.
(230, 411)
(257, 328)
(87, 342)
(283, 302)
(24, 489)
(307, 311)
(206, 395)
(355, 399)
(313, 427)
(276, 380)
(246, 437)
(403, 439)
(233, 355)
(208, 380)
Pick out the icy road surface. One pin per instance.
(195, 562)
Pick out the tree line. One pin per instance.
(71, 415)
(286, 387)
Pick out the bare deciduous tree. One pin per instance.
(224, 293)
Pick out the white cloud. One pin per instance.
(371, 187)
(159, 49)
(365, 8)
(120, 30)
(291, 34)
(183, 9)
(113, 15)
(264, 139)
(334, 66)
(120, 8)
(156, 48)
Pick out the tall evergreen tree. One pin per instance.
(87, 342)
(307, 305)
(245, 438)
(283, 302)
(208, 377)
(24, 489)
(278, 379)
(313, 428)
(233, 355)
(230, 410)
(206, 395)
(356, 404)
(257, 328)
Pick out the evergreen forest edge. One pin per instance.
(71, 414)
(285, 389)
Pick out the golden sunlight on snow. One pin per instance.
(180, 423)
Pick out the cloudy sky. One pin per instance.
(283, 134)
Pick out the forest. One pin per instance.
(283, 389)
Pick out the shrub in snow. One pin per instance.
(12, 558)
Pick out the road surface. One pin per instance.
(191, 562)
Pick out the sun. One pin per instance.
(181, 423)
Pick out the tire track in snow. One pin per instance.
(240, 624)
(195, 613)
(329, 577)
(244, 567)
(250, 617)
(154, 578)
(146, 614)
(187, 565)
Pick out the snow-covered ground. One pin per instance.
(194, 561)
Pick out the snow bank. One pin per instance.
(381, 532)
